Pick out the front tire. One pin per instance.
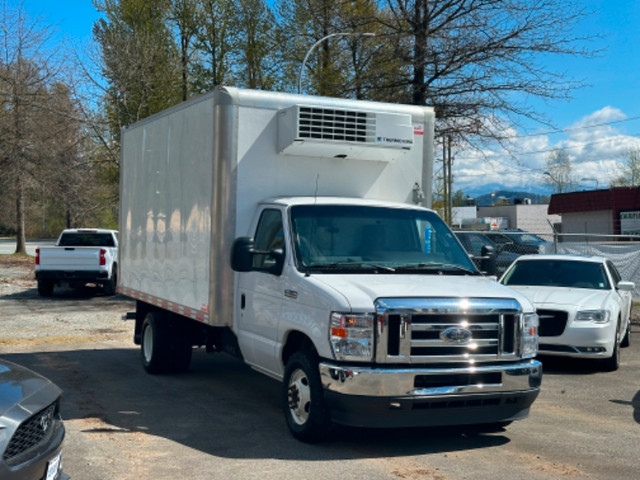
(303, 399)
(626, 340)
(612, 363)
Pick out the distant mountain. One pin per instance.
(489, 199)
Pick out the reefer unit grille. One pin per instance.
(336, 125)
(319, 131)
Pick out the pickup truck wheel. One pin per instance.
(304, 409)
(612, 363)
(45, 288)
(154, 347)
(109, 288)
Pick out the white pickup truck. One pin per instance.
(80, 256)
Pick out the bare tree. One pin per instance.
(629, 171)
(559, 172)
(473, 59)
(186, 15)
(216, 42)
(26, 70)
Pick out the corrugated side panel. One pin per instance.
(165, 218)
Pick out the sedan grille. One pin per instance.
(552, 323)
(37, 430)
(447, 330)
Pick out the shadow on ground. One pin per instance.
(220, 407)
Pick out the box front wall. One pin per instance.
(263, 173)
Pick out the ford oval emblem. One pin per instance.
(456, 335)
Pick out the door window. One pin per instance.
(269, 236)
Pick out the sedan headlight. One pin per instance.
(595, 316)
(351, 336)
(530, 335)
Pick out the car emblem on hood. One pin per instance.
(456, 335)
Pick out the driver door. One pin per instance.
(260, 297)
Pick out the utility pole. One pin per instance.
(450, 182)
(445, 195)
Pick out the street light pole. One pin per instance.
(306, 57)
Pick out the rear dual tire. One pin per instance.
(164, 347)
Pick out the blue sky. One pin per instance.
(596, 127)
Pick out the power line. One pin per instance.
(570, 129)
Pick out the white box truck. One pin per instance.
(284, 229)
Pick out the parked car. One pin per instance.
(583, 305)
(520, 242)
(31, 428)
(474, 241)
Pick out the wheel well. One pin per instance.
(296, 341)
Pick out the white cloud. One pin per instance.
(596, 144)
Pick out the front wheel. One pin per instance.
(612, 363)
(304, 409)
(626, 340)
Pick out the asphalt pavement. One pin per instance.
(8, 245)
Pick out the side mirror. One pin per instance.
(488, 260)
(626, 286)
(242, 254)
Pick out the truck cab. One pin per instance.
(362, 309)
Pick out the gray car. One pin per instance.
(31, 428)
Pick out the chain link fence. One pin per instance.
(622, 250)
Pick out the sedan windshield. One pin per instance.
(558, 273)
(355, 239)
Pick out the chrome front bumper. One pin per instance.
(396, 397)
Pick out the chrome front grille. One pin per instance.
(432, 330)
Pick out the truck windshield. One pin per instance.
(363, 238)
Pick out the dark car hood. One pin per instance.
(18, 384)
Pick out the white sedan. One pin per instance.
(583, 305)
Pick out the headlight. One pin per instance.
(351, 336)
(530, 335)
(595, 316)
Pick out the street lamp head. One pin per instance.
(338, 34)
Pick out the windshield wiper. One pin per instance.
(437, 266)
(351, 266)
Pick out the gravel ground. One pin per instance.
(26, 318)
(69, 316)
